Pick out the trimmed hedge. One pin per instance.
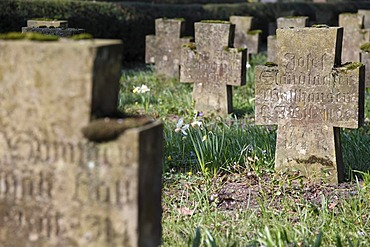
(131, 21)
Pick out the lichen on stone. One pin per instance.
(293, 16)
(254, 32)
(44, 19)
(82, 36)
(365, 47)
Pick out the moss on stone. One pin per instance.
(320, 26)
(241, 49)
(190, 45)
(41, 37)
(215, 21)
(82, 36)
(365, 47)
(254, 32)
(352, 65)
(270, 64)
(12, 36)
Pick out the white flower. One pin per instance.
(196, 123)
(142, 89)
(184, 129)
(248, 65)
(179, 124)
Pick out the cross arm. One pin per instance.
(266, 113)
(233, 64)
(189, 64)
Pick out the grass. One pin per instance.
(197, 160)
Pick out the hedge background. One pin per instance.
(131, 21)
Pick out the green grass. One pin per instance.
(196, 159)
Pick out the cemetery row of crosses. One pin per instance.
(305, 89)
(84, 174)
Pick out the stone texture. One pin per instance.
(164, 48)
(245, 36)
(213, 67)
(353, 36)
(56, 187)
(271, 49)
(283, 22)
(309, 96)
(320, 1)
(39, 23)
(365, 59)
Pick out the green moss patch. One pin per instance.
(12, 36)
(190, 45)
(320, 26)
(352, 65)
(41, 37)
(254, 32)
(82, 36)
(365, 47)
(44, 19)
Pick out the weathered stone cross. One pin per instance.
(213, 66)
(353, 35)
(310, 96)
(164, 48)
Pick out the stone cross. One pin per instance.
(213, 66)
(164, 48)
(58, 188)
(283, 22)
(353, 35)
(51, 27)
(310, 96)
(245, 37)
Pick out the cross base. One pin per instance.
(314, 151)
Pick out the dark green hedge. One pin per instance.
(131, 21)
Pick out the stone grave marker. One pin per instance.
(164, 48)
(283, 22)
(245, 36)
(365, 59)
(213, 66)
(58, 188)
(366, 14)
(51, 27)
(310, 96)
(353, 35)
(320, 1)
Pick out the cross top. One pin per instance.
(213, 66)
(308, 95)
(163, 49)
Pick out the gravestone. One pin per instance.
(366, 14)
(164, 48)
(353, 35)
(58, 188)
(51, 27)
(365, 59)
(245, 36)
(283, 22)
(320, 1)
(310, 96)
(213, 67)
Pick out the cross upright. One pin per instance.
(245, 37)
(213, 66)
(309, 95)
(163, 49)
